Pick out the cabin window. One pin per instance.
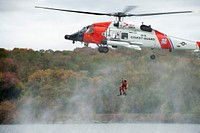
(124, 35)
(90, 30)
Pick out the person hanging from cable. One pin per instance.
(123, 87)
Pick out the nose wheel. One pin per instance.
(86, 44)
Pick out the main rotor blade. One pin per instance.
(117, 14)
(161, 13)
(75, 11)
(129, 8)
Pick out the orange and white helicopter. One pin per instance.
(120, 34)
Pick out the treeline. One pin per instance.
(48, 86)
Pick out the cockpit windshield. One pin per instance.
(83, 30)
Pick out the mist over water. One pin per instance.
(81, 105)
(171, 79)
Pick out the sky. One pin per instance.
(24, 26)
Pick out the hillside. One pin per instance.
(82, 85)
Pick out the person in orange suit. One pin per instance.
(123, 87)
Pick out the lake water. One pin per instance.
(101, 128)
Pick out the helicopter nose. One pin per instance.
(67, 37)
(78, 36)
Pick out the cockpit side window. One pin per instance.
(90, 30)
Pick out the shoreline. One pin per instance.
(118, 118)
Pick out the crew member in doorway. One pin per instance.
(123, 87)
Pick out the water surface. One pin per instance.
(101, 128)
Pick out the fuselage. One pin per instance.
(132, 36)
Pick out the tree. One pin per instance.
(3, 53)
(7, 112)
(9, 65)
(10, 86)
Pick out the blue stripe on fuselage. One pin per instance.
(171, 43)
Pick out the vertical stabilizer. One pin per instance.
(198, 43)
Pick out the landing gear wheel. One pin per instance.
(152, 57)
(100, 49)
(86, 44)
(103, 49)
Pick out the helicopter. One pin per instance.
(120, 34)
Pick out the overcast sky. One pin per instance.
(24, 26)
